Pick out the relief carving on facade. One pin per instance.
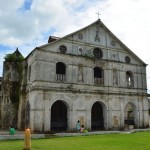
(82, 120)
(115, 77)
(80, 73)
(116, 121)
(114, 56)
(97, 38)
(97, 34)
(88, 53)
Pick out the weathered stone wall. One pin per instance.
(22, 123)
(46, 71)
(10, 91)
(79, 106)
(114, 94)
(78, 91)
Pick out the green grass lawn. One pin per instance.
(136, 141)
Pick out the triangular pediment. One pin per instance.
(94, 35)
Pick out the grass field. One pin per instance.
(136, 141)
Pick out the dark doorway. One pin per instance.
(59, 116)
(97, 120)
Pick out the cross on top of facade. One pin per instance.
(98, 14)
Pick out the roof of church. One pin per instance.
(96, 22)
(52, 39)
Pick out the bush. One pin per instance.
(85, 131)
(13, 58)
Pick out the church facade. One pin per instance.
(88, 75)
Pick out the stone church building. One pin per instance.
(88, 75)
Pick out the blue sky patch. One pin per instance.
(26, 5)
(48, 33)
(4, 48)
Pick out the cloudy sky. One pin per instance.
(28, 23)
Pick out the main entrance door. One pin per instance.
(97, 120)
(59, 116)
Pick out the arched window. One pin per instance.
(129, 79)
(127, 59)
(98, 75)
(97, 52)
(60, 71)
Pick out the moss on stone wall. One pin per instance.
(13, 58)
(13, 67)
(15, 86)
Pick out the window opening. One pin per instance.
(127, 59)
(98, 75)
(60, 71)
(129, 78)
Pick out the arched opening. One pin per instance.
(97, 52)
(59, 116)
(60, 71)
(98, 75)
(129, 79)
(97, 117)
(130, 117)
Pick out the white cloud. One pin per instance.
(6, 7)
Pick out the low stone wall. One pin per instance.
(21, 136)
(39, 136)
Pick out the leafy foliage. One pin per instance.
(13, 58)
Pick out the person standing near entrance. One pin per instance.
(78, 126)
(82, 129)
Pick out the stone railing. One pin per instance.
(60, 77)
(99, 80)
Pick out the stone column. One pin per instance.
(88, 114)
(122, 115)
(140, 112)
(73, 116)
(145, 112)
(88, 119)
(46, 112)
(69, 121)
(110, 115)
